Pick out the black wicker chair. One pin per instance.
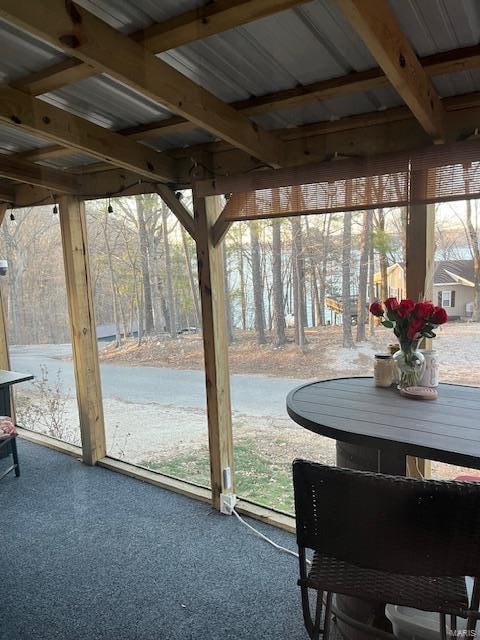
(388, 539)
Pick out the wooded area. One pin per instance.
(299, 272)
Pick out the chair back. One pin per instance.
(388, 523)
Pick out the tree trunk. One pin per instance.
(113, 286)
(277, 286)
(363, 279)
(243, 295)
(346, 276)
(475, 249)
(382, 254)
(298, 277)
(157, 288)
(168, 272)
(228, 305)
(257, 284)
(143, 247)
(191, 279)
(322, 272)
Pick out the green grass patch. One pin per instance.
(259, 477)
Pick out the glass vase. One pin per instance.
(410, 362)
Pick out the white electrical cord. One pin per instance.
(260, 535)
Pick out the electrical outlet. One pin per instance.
(227, 503)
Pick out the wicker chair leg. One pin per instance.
(313, 628)
(474, 606)
(13, 444)
(453, 623)
(443, 626)
(318, 616)
(307, 616)
(328, 616)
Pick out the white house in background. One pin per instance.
(452, 286)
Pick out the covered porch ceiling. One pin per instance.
(103, 98)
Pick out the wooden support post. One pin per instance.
(4, 353)
(420, 264)
(83, 328)
(212, 293)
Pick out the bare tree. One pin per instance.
(346, 277)
(172, 320)
(144, 261)
(191, 279)
(277, 286)
(257, 283)
(298, 281)
(228, 303)
(363, 276)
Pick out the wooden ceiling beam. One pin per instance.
(375, 23)
(35, 174)
(52, 123)
(212, 18)
(368, 135)
(7, 193)
(79, 33)
(446, 62)
(443, 63)
(176, 207)
(295, 135)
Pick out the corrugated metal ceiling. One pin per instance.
(296, 47)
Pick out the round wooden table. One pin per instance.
(356, 412)
(376, 429)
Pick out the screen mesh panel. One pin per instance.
(447, 172)
(321, 197)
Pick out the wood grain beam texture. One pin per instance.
(4, 345)
(438, 64)
(451, 104)
(35, 174)
(446, 62)
(365, 135)
(215, 341)
(83, 328)
(35, 116)
(375, 23)
(177, 208)
(7, 194)
(212, 18)
(419, 271)
(4, 353)
(69, 27)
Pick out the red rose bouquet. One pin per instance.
(411, 321)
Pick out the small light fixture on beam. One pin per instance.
(55, 210)
(109, 208)
(12, 217)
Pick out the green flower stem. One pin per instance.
(411, 372)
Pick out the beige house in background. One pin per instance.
(452, 286)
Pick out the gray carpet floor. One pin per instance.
(89, 553)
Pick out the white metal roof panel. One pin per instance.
(21, 54)
(438, 25)
(310, 43)
(129, 16)
(70, 161)
(13, 140)
(107, 103)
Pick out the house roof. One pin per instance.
(447, 271)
